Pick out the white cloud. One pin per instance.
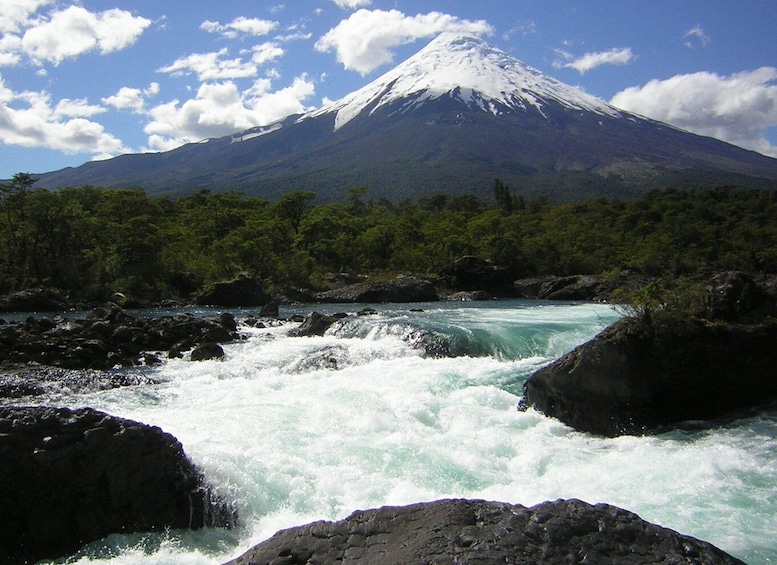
(67, 108)
(74, 31)
(737, 108)
(10, 50)
(211, 66)
(352, 4)
(590, 61)
(132, 98)
(15, 14)
(697, 33)
(265, 53)
(221, 109)
(522, 28)
(294, 36)
(241, 25)
(364, 40)
(28, 119)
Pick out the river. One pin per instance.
(300, 429)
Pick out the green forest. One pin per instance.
(91, 242)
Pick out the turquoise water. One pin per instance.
(303, 429)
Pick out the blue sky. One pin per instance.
(90, 79)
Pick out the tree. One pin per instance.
(13, 198)
(504, 200)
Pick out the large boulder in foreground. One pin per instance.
(70, 477)
(469, 532)
(634, 379)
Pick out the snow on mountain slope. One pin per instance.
(467, 68)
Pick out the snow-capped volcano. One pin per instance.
(465, 68)
(448, 120)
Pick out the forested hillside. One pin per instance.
(91, 242)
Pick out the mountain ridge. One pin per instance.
(451, 118)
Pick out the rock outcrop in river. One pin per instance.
(70, 477)
(643, 375)
(107, 337)
(470, 532)
(400, 289)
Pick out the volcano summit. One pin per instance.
(450, 119)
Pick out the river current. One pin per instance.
(298, 429)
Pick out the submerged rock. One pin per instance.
(470, 532)
(70, 477)
(206, 351)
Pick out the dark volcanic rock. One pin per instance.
(34, 300)
(469, 296)
(208, 350)
(470, 532)
(733, 295)
(633, 379)
(401, 289)
(106, 338)
(26, 381)
(269, 310)
(243, 291)
(472, 273)
(577, 287)
(70, 477)
(317, 324)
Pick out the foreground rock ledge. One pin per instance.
(475, 531)
(70, 477)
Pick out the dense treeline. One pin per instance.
(92, 242)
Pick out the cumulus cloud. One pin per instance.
(364, 41)
(220, 109)
(241, 25)
(15, 14)
(133, 99)
(74, 31)
(737, 108)
(29, 119)
(590, 61)
(265, 53)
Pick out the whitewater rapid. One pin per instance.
(297, 429)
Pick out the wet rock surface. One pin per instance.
(70, 477)
(34, 300)
(108, 337)
(642, 375)
(400, 289)
(31, 381)
(470, 273)
(243, 291)
(595, 288)
(470, 532)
